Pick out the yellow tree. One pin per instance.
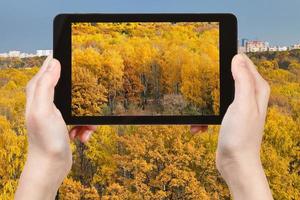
(74, 190)
(158, 162)
(281, 154)
(99, 151)
(89, 96)
(12, 158)
(112, 75)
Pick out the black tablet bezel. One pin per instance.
(62, 52)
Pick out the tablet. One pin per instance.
(144, 68)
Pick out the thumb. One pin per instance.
(44, 90)
(243, 82)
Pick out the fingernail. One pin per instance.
(87, 135)
(51, 65)
(72, 134)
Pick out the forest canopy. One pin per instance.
(145, 69)
(159, 162)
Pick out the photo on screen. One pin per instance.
(145, 69)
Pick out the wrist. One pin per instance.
(241, 166)
(48, 164)
(244, 176)
(227, 161)
(54, 158)
(41, 177)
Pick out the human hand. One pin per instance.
(240, 137)
(49, 157)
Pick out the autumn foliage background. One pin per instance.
(145, 68)
(157, 162)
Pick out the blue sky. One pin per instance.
(26, 25)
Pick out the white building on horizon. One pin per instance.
(14, 53)
(19, 54)
(43, 52)
(27, 55)
(256, 46)
(283, 48)
(261, 46)
(273, 48)
(4, 55)
(294, 46)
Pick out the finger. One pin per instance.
(30, 87)
(252, 67)
(84, 136)
(73, 132)
(43, 67)
(80, 131)
(198, 128)
(44, 87)
(262, 88)
(243, 82)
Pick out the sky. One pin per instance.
(26, 25)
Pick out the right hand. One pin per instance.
(240, 137)
(242, 126)
(238, 151)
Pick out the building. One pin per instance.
(273, 48)
(244, 42)
(19, 54)
(43, 52)
(27, 55)
(256, 46)
(14, 54)
(283, 48)
(294, 46)
(261, 46)
(4, 55)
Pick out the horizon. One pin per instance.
(35, 51)
(29, 27)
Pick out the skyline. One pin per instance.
(38, 51)
(23, 30)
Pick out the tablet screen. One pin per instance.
(145, 68)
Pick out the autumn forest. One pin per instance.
(157, 162)
(145, 69)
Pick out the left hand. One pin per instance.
(49, 157)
